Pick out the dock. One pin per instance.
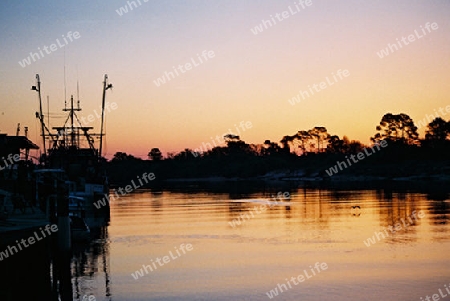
(19, 223)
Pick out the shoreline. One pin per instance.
(336, 178)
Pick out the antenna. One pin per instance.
(65, 88)
(78, 92)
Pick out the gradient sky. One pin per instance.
(250, 78)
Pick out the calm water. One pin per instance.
(245, 262)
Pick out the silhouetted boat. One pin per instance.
(72, 164)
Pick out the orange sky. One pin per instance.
(250, 78)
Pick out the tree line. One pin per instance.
(310, 150)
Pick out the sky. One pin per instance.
(237, 73)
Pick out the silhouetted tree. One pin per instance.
(303, 138)
(336, 145)
(398, 128)
(170, 155)
(231, 138)
(271, 148)
(354, 146)
(240, 159)
(186, 154)
(288, 141)
(438, 129)
(236, 146)
(155, 154)
(121, 156)
(320, 134)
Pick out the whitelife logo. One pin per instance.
(243, 217)
(340, 75)
(130, 4)
(397, 227)
(11, 250)
(162, 261)
(266, 24)
(437, 297)
(123, 191)
(168, 76)
(9, 161)
(49, 49)
(97, 115)
(429, 118)
(405, 41)
(244, 125)
(334, 170)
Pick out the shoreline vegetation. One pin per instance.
(308, 155)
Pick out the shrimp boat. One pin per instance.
(72, 165)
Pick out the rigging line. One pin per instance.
(79, 122)
(65, 122)
(56, 115)
(48, 110)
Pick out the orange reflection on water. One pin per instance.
(269, 246)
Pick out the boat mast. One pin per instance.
(72, 128)
(41, 116)
(106, 86)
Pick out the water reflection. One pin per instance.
(90, 264)
(25, 275)
(42, 272)
(318, 223)
(314, 224)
